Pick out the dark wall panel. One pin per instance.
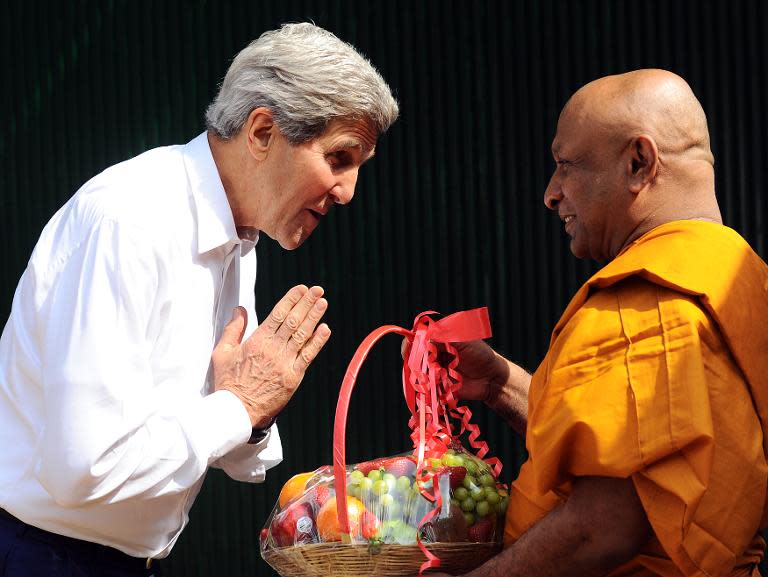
(448, 216)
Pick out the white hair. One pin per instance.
(307, 77)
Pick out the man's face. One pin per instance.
(586, 186)
(303, 182)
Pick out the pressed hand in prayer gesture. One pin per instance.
(265, 370)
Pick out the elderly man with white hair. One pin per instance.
(132, 360)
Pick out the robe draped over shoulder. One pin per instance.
(658, 371)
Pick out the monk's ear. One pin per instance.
(261, 130)
(643, 162)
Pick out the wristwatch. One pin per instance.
(258, 435)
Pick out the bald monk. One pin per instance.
(645, 423)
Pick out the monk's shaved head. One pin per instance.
(654, 102)
(632, 153)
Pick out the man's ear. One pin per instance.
(260, 130)
(644, 162)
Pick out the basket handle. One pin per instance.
(340, 423)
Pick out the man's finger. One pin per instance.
(233, 332)
(283, 307)
(298, 313)
(308, 353)
(307, 327)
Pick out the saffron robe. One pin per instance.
(658, 371)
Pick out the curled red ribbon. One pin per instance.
(429, 389)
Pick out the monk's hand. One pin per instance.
(265, 370)
(482, 371)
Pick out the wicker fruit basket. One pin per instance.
(339, 560)
(439, 507)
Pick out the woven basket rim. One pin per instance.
(387, 560)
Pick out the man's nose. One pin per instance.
(553, 194)
(345, 187)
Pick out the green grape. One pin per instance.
(453, 460)
(482, 466)
(469, 518)
(356, 476)
(492, 496)
(450, 452)
(468, 505)
(403, 484)
(353, 490)
(380, 487)
(483, 508)
(456, 502)
(405, 535)
(477, 493)
(390, 480)
(501, 506)
(471, 467)
(469, 481)
(461, 493)
(366, 485)
(374, 475)
(387, 500)
(487, 480)
(435, 463)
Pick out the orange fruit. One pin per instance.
(328, 519)
(294, 487)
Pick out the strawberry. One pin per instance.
(370, 525)
(456, 476)
(481, 531)
(401, 466)
(318, 495)
(369, 466)
(398, 466)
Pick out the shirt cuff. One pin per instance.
(222, 424)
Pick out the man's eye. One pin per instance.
(338, 159)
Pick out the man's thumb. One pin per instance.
(235, 329)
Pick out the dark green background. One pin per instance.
(447, 217)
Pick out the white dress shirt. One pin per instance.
(107, 419)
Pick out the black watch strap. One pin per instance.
(258, 435)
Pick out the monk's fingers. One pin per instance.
(300, 336)
(282, 309)
(297, 314)
(310, 350)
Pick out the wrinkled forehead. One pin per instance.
(352, 133)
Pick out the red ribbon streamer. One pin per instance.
(429, 390)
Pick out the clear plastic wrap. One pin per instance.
(386, 504)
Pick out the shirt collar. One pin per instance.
(215, 225)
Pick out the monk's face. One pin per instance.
(586, 185)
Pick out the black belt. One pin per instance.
(86, 549)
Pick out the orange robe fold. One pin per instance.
(658, 371)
